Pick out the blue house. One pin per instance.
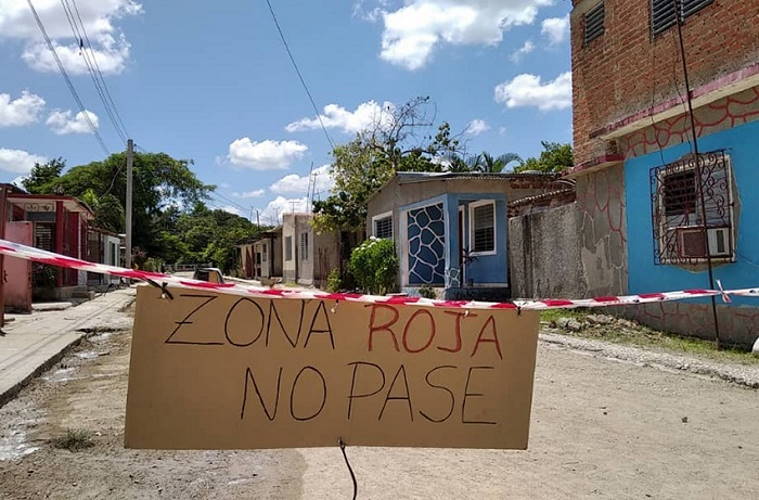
(450, 229)
(667, 175)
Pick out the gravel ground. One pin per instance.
(745, 375)
(628, 427)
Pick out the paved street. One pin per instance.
(601, 428)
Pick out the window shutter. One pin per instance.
(383, 228)
(594, 23)
(484, 228)
(663, 12)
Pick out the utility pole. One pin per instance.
(258, 219)
(128, 243)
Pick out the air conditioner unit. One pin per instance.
(719, 241)
(691, 244)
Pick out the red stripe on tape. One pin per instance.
(557, 302)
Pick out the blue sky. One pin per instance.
(212, 82)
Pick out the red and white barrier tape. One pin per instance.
(35, 254)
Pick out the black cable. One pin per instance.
(78, 35)
(97, 67)
(350, 469)
(300, 76)
(65, 76)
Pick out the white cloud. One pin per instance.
(502, 130)
(528, 90)
(265, 155)
(523, 51)
(556, 29)
(365, 116)
(231, 209)
(250, 194)
(98, 17)
(20, 111)
(412, 31)
(297, 184)
(111, 56)
(476, 127)
(66, 122)
(17, 161)
(272, 214)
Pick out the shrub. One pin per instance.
(334, 281)
(374, 265)
(74, 440)
(427, 292)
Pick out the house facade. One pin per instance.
(450, 229)
(307, 256)
(654, 214)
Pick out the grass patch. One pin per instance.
(74, 440)
(554, 314)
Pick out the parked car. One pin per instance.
(210, 274)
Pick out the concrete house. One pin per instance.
(308, 257)
(450, 229)
(655, 214)
(262, 256)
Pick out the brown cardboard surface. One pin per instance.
(215, 371)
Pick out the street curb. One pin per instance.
(734, 374)
(16, 388)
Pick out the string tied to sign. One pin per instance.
(341, 443)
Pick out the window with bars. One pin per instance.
(383, 227)
(288, 248)
(693, 210)
(664, 13)
(303, 246)
(594, 23)
(482, 224)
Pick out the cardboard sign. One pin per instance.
(216, 371)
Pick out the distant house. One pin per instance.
(308, 257)
(59, 224)
(450, 229)
(262, 256)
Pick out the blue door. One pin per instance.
(426, 245)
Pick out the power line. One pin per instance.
(77, 32)
(97, 67)
(300, 76)
(65, 76)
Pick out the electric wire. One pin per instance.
(76, 31)
(300, 76)
(66, 78)
(97, 67)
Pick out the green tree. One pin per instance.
(487, 163)
(365, 164)
(554, 158)
(43, 174)
(159, 181)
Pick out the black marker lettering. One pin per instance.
(229, 315)
(472, 394)
(443, 388)
(407, 397)
(352, 395)
(292, 394)
(249, 376)
(209, 299)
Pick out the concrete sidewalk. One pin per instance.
(33, 343)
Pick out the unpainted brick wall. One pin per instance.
(628, 69)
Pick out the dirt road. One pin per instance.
(600, 429)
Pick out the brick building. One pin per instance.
(653, 214)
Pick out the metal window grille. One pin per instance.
(664, 12)
(594, 23)
(383, 228)
(484, 228)
(681, 235)
(288, 248)
(303, 246)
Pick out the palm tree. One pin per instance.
(486, 163)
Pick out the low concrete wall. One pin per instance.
(545, 256)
